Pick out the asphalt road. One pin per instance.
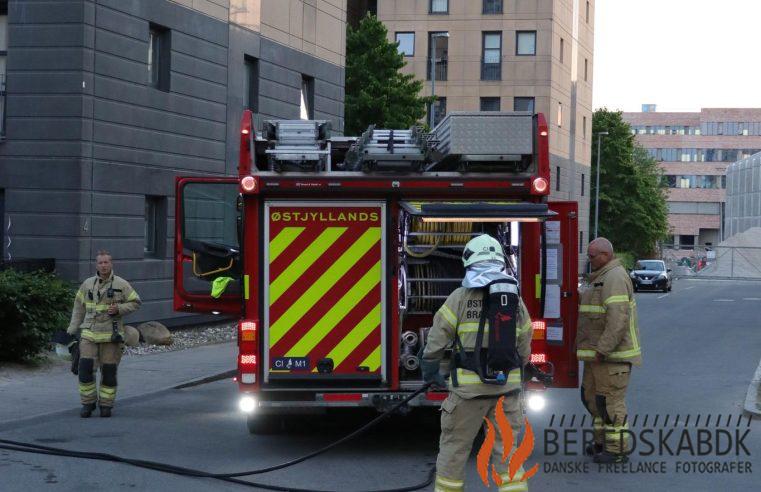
(701, 342)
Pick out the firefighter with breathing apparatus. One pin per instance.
(489, 330)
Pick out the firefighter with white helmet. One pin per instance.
(489, 328)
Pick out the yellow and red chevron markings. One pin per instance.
(325, 285)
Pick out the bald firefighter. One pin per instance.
(100, 304)
(489, 329)
(607, 341)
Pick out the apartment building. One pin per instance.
(104, 102)
(495, 55)
(694, 150)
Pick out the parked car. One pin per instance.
(651, 274)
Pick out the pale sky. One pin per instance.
(679, 54)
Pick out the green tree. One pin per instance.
(633, 211)
(377, 93)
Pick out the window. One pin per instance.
(581, 242)
(582, 184)
(492, 7)
(406, 42)
(557, 178)
(491, 58)
(307, 98)
(440, 110)
(439, 6)
(439, 42)
(586, 70)
(562, 50)
(584, 128)
(523, 104)
(586, 16)
(3, 57)
(490, 104)
(560, 114)
(252, 83)
(159, 59)
(154, 240)
(2, 224)
(525, 43)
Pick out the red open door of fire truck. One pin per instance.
(208, 229)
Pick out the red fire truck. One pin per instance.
(335, 252)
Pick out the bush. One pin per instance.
(32, 307)
(627, 259)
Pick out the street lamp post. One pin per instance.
(597, 182)
(434, 38)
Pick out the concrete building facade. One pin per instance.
(694, 151)
(104, 102)
(500, 55)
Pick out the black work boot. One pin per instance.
(105, 411)
(593, 449)
(87, 410)
(608, 458)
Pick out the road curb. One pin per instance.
(42, 417)
(752, 407)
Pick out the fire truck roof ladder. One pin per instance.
(301, 145)
(390, 150)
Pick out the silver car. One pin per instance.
(651, 274)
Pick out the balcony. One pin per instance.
(441, 69)
(491, 71)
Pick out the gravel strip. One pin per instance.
(185, 338)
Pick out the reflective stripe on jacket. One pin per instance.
(608, 317)
(90, 313)
(460, 314)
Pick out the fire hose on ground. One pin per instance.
(226, 477)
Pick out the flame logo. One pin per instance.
(516, 460)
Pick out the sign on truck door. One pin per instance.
(324, 309)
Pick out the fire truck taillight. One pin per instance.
(248, 331)
(250, 360)
(538, 330)
(540, 186)
(538, 358)
(248, 184)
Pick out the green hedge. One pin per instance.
(32, 307)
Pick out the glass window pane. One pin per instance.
(492, 40)
(490, 104)
(406, 42)
(523, 104)
(526, 43)
(439, 5)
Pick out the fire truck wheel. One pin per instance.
(265, 424)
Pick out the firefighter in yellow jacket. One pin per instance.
(607, 341)
(100, 304)
(482, 370)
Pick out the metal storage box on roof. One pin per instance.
(466, 133)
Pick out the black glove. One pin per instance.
(74, 351)
(431, 374)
